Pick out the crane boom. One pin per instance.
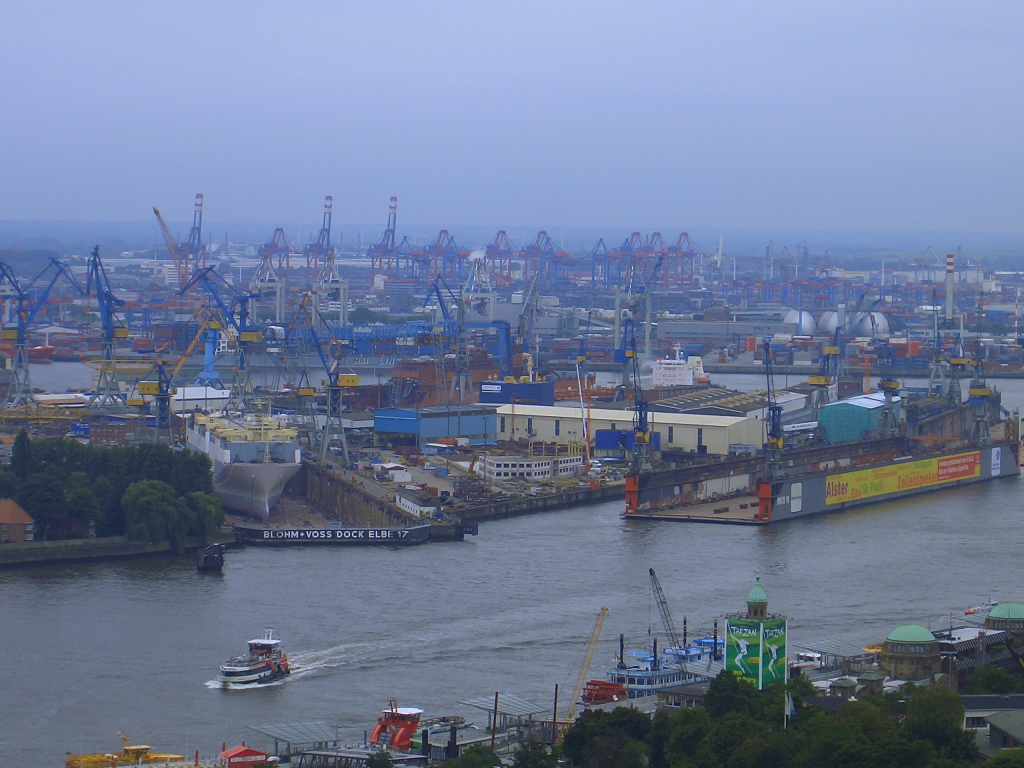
(588, 659)
(172, 248)
(666, 614)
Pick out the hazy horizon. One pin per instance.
(788, 117)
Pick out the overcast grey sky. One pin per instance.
(854, 115)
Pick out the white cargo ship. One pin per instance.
(253, 457)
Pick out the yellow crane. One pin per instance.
(588, 659)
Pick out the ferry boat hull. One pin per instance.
(265, 662)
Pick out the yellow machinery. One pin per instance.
(137, 754)
(588, 659)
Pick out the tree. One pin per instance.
(380, 759)
(687, 730)
(43, 499)
(729, 693)
(204, 515)
(534, 754)
(993, 679)
(21, 455)
(8, 485)
(362, 316)
(598, 738)
(936, 714)
(1007, 758)
(153, 514)
(477, 756)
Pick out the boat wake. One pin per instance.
(308, 662)
(214, 684)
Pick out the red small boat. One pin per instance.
(396, 727)
(40, 354)
(603, 692)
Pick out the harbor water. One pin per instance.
(133, 646)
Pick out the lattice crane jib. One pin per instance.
(588, 659)
(674, 639)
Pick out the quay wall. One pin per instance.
(74, 550)
(530, 505)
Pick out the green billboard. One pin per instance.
(773, 652)
(756, 650)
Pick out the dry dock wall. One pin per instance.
(360, 506)
(355, 506)
(533, 504)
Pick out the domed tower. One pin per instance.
(757, 602)
(755, 642)
(911, 652)
(1008, 617)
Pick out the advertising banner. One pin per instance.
(878, 481)
(773, 652)
(756, 650)
(743, 648)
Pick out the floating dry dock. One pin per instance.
(814, 479)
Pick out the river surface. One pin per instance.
(93, 649)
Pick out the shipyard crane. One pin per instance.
(979, 391)
(334, 384)
(320, 252)
(445, 298)
(641, 454)
(888, 424)
(238, 315)
(190, 255)
(29, 299)
(161, 392)
(666, 615)
(957, 367)
(588, 659)
(107, 395)
(581, 382)
(775, 435)
(528, 314)
(823, 381)
(936, 371)
(328, 281)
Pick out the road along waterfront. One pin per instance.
(100, 647)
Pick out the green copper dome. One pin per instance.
(911, 633)
(757, 594)
(1007, 611)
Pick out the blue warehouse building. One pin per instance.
(476, 423)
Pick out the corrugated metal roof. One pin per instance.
(659, 417)
(872, 401)
(317, 732)
(508, 704)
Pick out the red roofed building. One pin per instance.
(244, 757)
(15, 524)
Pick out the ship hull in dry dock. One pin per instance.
(734, 492)
(252, 489)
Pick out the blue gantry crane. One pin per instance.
(29, 299)
(238, 318)
(107, 395)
